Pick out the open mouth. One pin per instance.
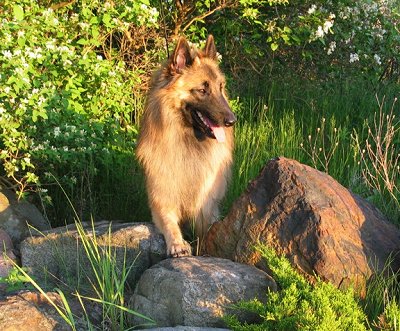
(212, 130)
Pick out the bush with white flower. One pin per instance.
(63, 94)
(313, 37)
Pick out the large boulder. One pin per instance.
(306, 215)
(59, 256)
(19, 218)
(197, 291)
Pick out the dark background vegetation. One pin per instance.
(307, 78)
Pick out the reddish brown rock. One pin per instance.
(31, 311)
(305, 214)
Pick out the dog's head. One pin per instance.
(196, 80)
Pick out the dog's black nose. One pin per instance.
(230, 120)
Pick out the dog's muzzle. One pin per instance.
(230, 120)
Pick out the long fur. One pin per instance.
(186, 171)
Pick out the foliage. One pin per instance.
(316, 39)
(15, 280)
(299, 305)
(109, 280)
(65, 99)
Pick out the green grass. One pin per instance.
(108, 282)
(316, 125)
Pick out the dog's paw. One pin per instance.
(179, 250)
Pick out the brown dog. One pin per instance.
(185, 143)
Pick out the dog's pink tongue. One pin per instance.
(219, 133)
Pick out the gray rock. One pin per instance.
(19, 218)
(59, 255)
(197, 291)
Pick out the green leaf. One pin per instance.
(21, 41)
(18, 12)
(106, 18)
(82, 41)
(274, 46)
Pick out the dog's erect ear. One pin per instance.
(181, 56)
(210, 49)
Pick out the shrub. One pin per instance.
(65, 99)
(299, 305)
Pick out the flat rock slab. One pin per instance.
(31, 311)
(197, 291)
(306, 215)
(58, 255)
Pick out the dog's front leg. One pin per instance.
(168, 224)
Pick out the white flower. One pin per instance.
(377, 59)
(331, 48)
(19, 71)
(327, 26)
(312, 9)
(48, 12)
(320, 32)
(63, 49)
(354, 57)
(57, 131)
(7, 54)
(21, 33)
(84, 26)
(50, 45)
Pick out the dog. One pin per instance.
(185, 143)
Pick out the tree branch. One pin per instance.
(204, 15)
